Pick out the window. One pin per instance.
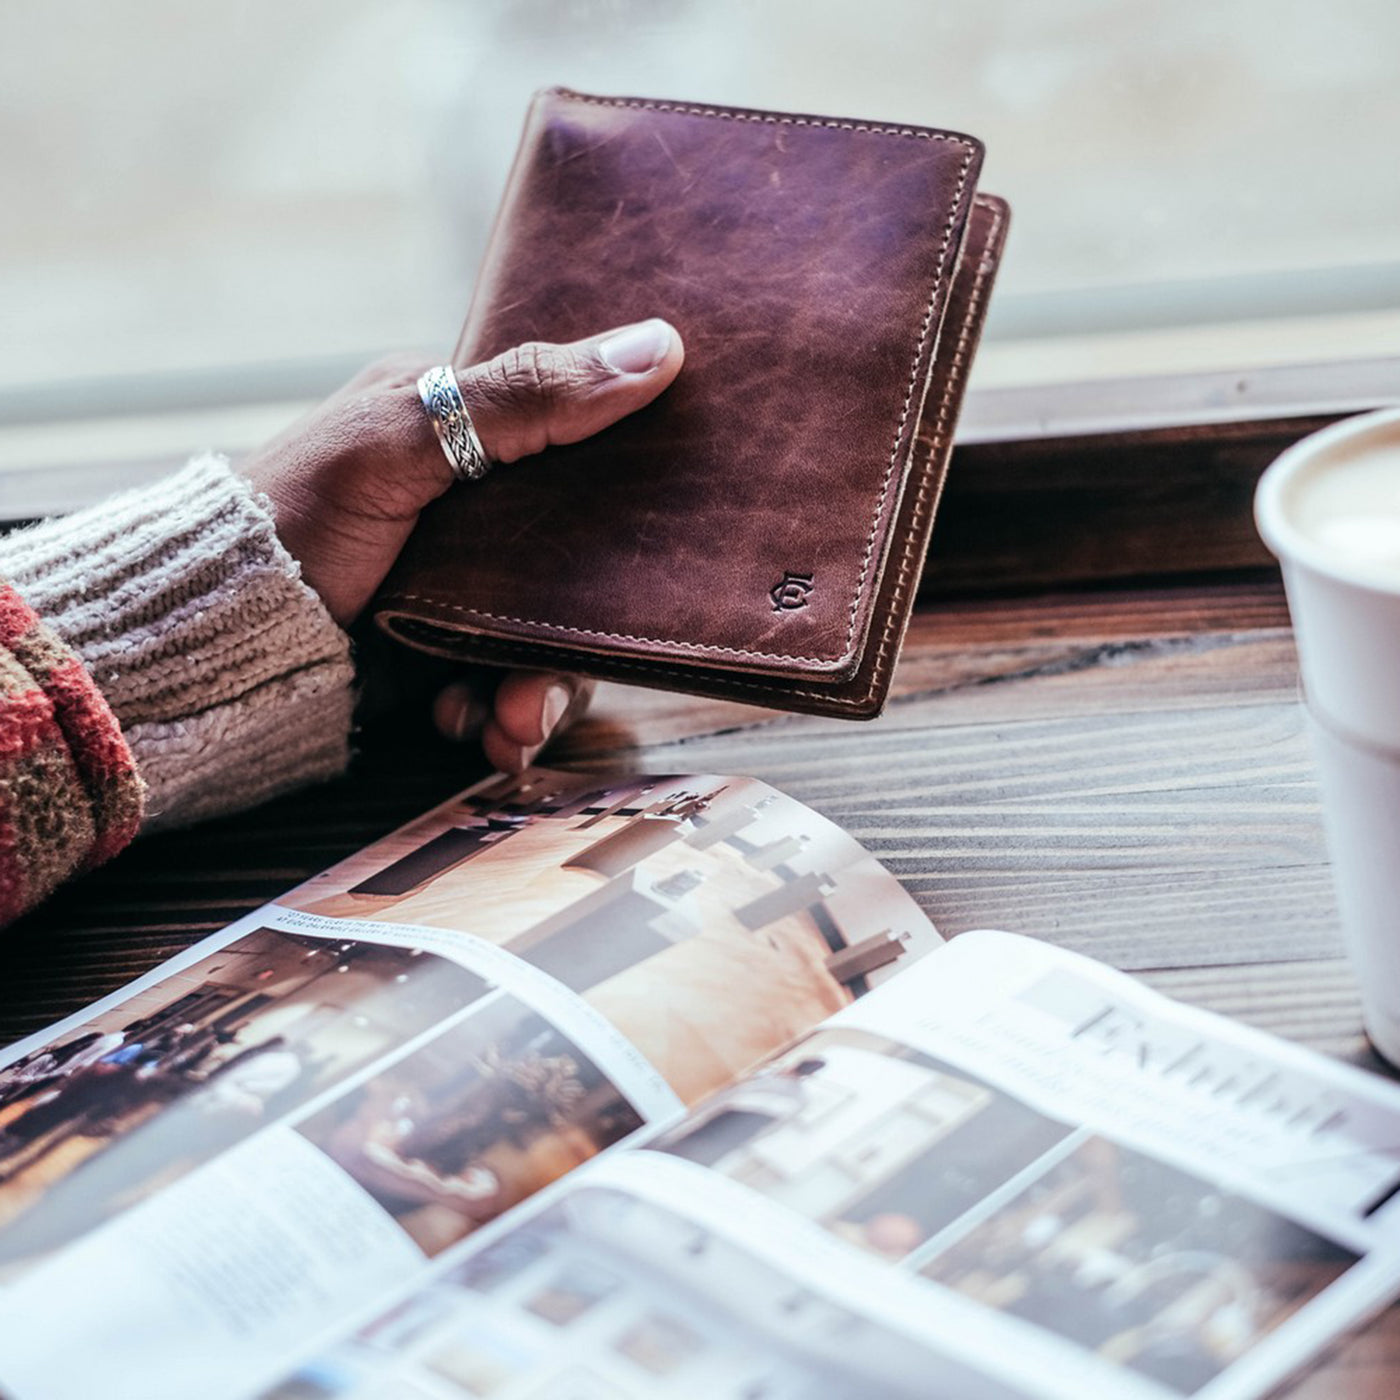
(213, 213)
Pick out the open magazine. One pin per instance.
(588, 1086)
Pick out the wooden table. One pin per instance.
(1120, 770)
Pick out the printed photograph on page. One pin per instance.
(607, 1296)
(149, 1090)
(473, 1122)
(1150, 1267)
(710, 919)
(879, 1144)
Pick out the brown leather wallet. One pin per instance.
(757, 532)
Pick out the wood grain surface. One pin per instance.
(1122, 771)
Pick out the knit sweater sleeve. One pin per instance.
(231, 681)
(70, 796)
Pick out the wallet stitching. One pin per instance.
(776, 118)
(940, 429)
(920, 503)
(908, 400)
(772, 118)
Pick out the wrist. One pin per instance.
(196, 625)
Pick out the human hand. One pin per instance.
(348, 481)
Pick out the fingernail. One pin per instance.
(467, 719)
(636, 349)
(556, 701)
(458, 712)
(518, 757)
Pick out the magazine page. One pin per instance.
(627, 1284)
(1010, 1172)
(268, 1132)
(1151, 1200)
(710, 919)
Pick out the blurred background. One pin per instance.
(213, 212)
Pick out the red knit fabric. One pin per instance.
(16, 617)
(70, 795)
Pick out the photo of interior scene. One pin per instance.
(607, 1297)
(482, 1116)
(880, 1144)
(1149, 1266)
(711, 919)
(181, 1071)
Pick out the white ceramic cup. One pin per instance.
(1361, 813)
(1329, 508)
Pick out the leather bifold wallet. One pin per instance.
(757, 532)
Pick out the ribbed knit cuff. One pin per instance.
(70, 797)
(231, 680)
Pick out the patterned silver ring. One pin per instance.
(452, 423)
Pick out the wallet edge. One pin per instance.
(862, 613)
(860, 694)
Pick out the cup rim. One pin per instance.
(1284, 539)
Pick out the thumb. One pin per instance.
(541, 395)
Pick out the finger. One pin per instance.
(460, 711)
(530, 706)
(505, 753)
(540, 395)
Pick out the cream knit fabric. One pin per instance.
(231, 680)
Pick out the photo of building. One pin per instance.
(1152, 1268)
(880, 1144)
(607, 1295)
(468, 1125)
(177, 1073)
(711, 919)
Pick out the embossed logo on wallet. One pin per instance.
(791, 592)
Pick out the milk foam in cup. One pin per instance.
(1329, 508)
(1350, 507)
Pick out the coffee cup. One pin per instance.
(1361, 816)
(1329, 508)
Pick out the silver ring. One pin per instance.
(452, 423)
